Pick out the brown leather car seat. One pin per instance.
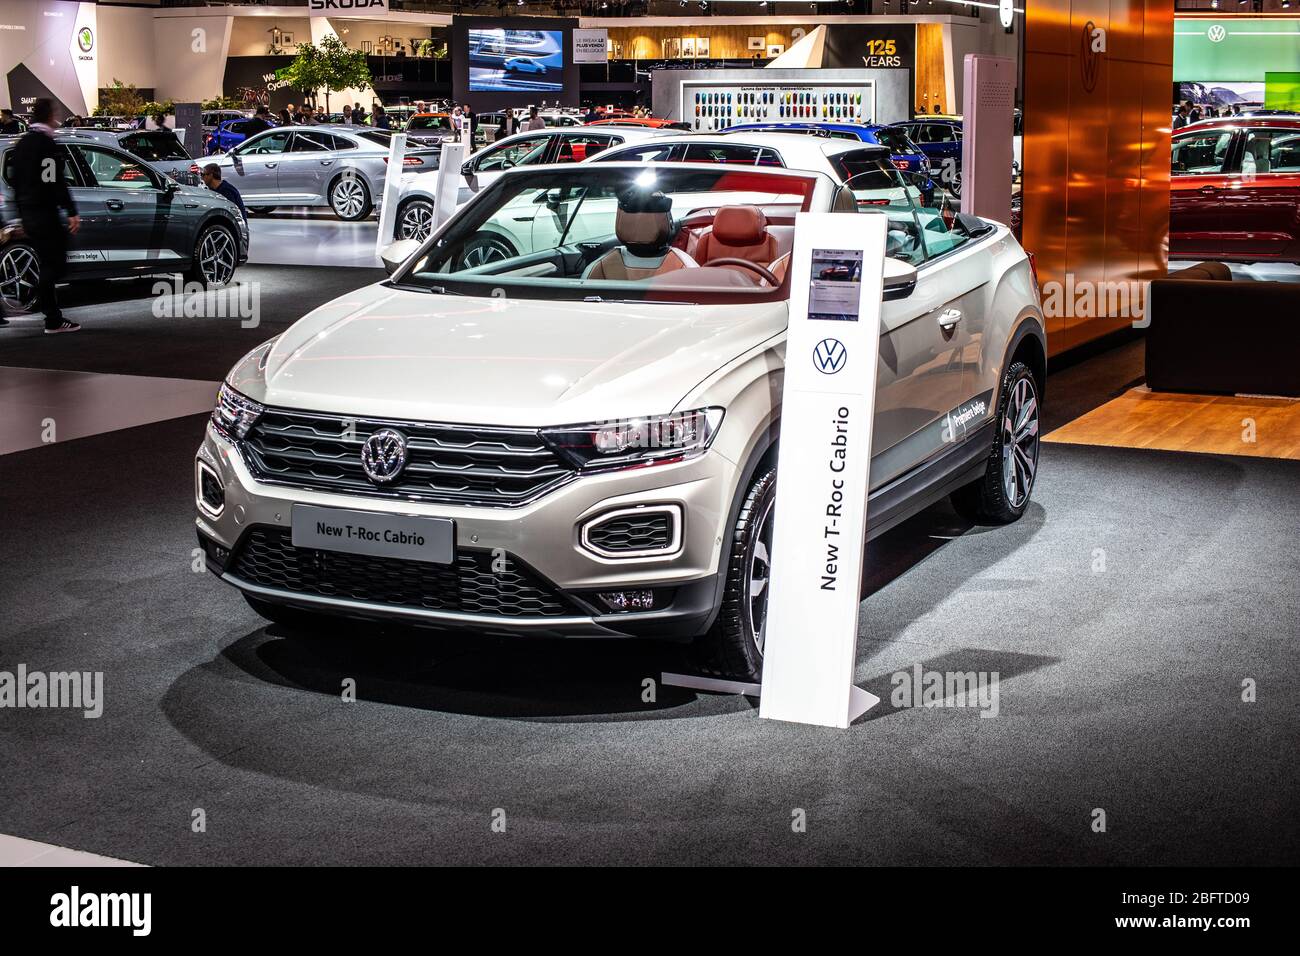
(738, 232)
(644, 227)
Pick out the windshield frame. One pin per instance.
(820, 188)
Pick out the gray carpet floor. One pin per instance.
(1120, 690)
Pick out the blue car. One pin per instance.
(903, 153)
(940, 139)
(231, 133)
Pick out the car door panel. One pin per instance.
(255, 167)
(134, 220)
(306, 167)
(1200, 181)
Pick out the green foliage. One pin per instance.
(120, 99)
(224, 103)
(331, 66)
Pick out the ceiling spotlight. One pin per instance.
(1214, 4)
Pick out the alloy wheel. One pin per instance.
(758, 575)
(1020, 442)
(217, 257)
(416, 222)
(349, 198)
(487, 251)
(19, 273)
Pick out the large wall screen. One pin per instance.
(509, 60)
(514, 62)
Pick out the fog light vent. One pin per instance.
(645, 531)
(628, 600)
(212, 496)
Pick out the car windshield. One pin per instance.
(897, 141)
(619, 233)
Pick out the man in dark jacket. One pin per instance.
(40, 191)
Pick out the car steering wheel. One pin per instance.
(745, 263)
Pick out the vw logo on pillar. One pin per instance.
(830, 356)
(383, 456)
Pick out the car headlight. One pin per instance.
(637, 441)
(234, 414)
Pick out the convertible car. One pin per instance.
(579, 437)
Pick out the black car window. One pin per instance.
(730, 153)
(71, 173)
(267, 143)
(522, 152)
(1271, 151)
(154, 146)
(1200, 153)
(111, 170)
(658, 153)
(311, 142)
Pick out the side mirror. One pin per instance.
(397, 253)
(900, 279)
(467, 169)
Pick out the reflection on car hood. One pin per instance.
(388, 353)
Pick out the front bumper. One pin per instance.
(542, 540)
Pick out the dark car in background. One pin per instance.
(903, 153)
(160, 148)
(940, 139)
(1235, 190)
(231, 133)
(134, 221)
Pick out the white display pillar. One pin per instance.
(823, 470)
(392, 184)
(448, 184)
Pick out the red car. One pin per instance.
(1235, 190)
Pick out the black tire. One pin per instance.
(486, 248)
(733, 647)
(343, 191)
(20, 269)
(414, 220)
(992, 498)
(215, 257)
(262, 210)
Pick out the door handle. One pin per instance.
(115, 204)
(272, 165)
(948, 318)
(1209, 190)
(327, 162)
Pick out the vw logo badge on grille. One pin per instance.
(829, 356)
(383, 456)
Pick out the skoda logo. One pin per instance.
(1217, 33)
(85, 39)
(383, 456)
(830, 356)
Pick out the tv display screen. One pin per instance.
(508, 60)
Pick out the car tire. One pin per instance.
(20, 270)
(215, 257)
(733, 646)
(350, 198)
(486, 248)
(262, 210)
(414, 220)
(1002, 493)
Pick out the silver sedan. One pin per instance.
(342, 167)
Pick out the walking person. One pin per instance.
(212, 179)
(40, 192)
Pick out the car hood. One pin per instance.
(386, 353)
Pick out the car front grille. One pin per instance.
(472, 585)
(635, 532)
(460, 464)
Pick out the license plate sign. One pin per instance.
(408, 537)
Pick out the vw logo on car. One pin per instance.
(830, 356)
(383, 456)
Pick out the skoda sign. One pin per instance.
(85, 39)
(319, 8)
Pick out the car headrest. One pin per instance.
(739, 225)
(644, 222)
